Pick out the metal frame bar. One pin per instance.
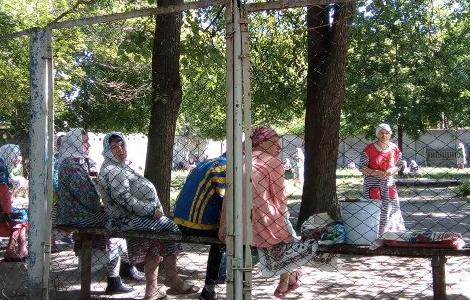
(228, 199)
(247, 161)
(146, 12)
(38, 193)
(284, 4)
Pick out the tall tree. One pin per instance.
(167, 97)
(329, 30)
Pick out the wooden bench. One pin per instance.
(427, 182)
(437, 256)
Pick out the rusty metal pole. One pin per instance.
(438, 264)
(39, 157)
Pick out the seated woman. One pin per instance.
(131, 203)
(13, 221)
(273, 234)
(79, 204)
(280, 251)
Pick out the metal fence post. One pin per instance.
(234, 153)
(38, 187)
(228, 199)
(245, 51)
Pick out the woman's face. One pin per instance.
(383, 136)
(119, 150)
(272, 146)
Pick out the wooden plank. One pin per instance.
(392, 251)
(85, 267)
(164, 236)
(336, 249)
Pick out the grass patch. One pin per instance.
(349, 183)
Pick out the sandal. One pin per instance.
(160, 295)
(292, 286)
(183, 289)
(280, 294)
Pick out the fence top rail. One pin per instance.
(284, 4)
(146, 12)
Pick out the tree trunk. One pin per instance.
(167, 97)
(327, 53)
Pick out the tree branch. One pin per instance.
(74, 7)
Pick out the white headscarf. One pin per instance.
(72, 145)
(382, 126)
(10, 153)
(300, 154)
(58, 136)
(108, 153)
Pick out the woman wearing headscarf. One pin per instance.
(299, 164)
(79, 204)
(461, 156)
(131, 203)
(11, 154)
(279, 249)
(379, 161)
(13, 221)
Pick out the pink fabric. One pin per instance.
(269, 213)
(5, 204)
(17, 244)
(5, 198)
(261, 134)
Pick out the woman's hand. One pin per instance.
(376, 173)
(388, 173)
(158, 213)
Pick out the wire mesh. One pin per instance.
(402, 70)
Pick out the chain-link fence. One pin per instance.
(407, 184)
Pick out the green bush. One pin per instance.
(464, 189)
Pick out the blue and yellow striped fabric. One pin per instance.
(200, 200)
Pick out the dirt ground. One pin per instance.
(352, 278)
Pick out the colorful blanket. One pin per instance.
(283, 258)
(423, 239)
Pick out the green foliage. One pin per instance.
(408, 65)
(464, 189)
(278, 68)
(14, 75)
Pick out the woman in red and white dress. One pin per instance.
(379, 161)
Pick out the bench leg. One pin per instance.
(438, 264)
(85, 267)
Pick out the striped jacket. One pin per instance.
(200, 201)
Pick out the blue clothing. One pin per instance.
(4, 175)
(200, 201)
(55, 172)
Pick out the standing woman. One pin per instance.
(300, 164)
(379, 161)
(13, 221)
(461, 156)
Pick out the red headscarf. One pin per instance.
(261, 134)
